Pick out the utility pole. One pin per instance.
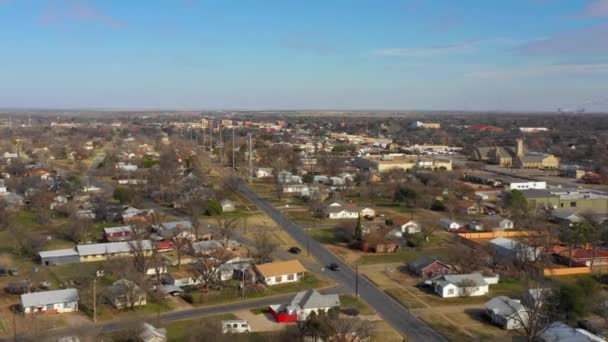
(14, 327)
(357, 280)
(307, 242)
(243, 285)
(250, 158)
(232, 149)
(95, 300)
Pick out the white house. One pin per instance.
(320, 179)
(346, 212)
(408, 227)
(336, 181)
(507, 313)
(227, 205)
(263, 172)
(280, 272)
(181, 278)
(305, 303)
(126, 167)
(505, 249)
(561, 332)
(497, 223)
(286, 177)
(449, 224)
(58, 301)
(367, 212)
(460, 285)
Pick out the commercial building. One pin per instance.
(509, 156)
(381, 163)
(572, 199)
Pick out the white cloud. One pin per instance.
(547, 70)
(448, 49)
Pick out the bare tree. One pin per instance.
(140, 250)
(264, 246)
(78, 229)
(207, 268)
(539, 311)
(465, 259)
(225, 229)
(181, 246)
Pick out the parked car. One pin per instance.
(333, 266)
(295, 250)
(235, 326)
(3, 272)
(13, 271)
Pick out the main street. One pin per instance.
(391, 311)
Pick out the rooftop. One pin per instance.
(49, 297)
(281, 268)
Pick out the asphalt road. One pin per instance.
(391, 311)
(114, 326)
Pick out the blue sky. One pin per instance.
(304, 54)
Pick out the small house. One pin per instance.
(181, 278)
(562, 332)
(59, 257)
(428, 267)
(227, 205)
(506, 313)
(57, 301)
(263, 172)
(367, 212)
(125, 293)
(460, 285)
(302, 305)
(407, 226)
(449, 224)
(497, 223)
(113, 234)
(280, 272)
(336, 212)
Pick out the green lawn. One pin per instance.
(258, 311)
(404, 256)
(327, 236)
(404, 298)
(231, 294)
(350, 301)
(176, 331)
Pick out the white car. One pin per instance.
(235, 326)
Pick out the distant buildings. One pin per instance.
(429, 125)
(381, 163)
(508, 156)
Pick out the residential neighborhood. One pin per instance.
(166, 227)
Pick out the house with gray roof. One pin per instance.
(561, 332)
(57, 301)
(460, 285)
(304, 303)
(507, 250)
(59, 257)
(506, 313)
(103, 251)
(125, 293)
